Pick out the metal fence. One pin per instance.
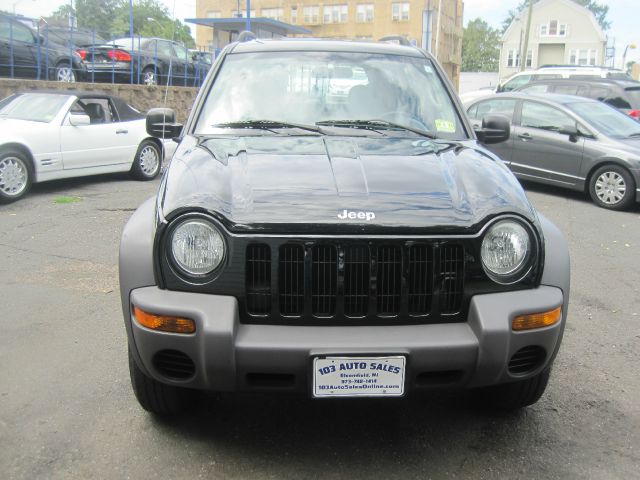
(44, 52)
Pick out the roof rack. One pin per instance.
(246, 36)
(398, 39)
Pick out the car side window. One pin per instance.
(516, 82)
(164, 48)
(181, 52)
(495, 106)
(535, 89)
(599, 93)
(98, 109)
(544, 117)
(15, 31)
(566, 89)
(472, 112)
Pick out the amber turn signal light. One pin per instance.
(537, 320)
(164, 323)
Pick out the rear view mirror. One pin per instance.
(495, 129)
(79, 119)
(161, 123)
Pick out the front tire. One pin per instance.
(612, 187)
(147, 162)
(518, 394)
(151, 77)
(16, 176)
(156, 397)
(64, 73)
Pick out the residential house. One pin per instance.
(563, 32)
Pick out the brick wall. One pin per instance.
(140, 96)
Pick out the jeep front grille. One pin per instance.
(354, 280)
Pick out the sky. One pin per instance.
(623, 15)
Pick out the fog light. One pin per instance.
(537, 320)
(164, 323)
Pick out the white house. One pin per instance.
(562, 33)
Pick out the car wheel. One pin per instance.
(518, 394)
(148, 160)
(15, 176)
(156, 397)
(150, 76)
(64, 73)
(612, 187)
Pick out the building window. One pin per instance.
(583, 57)
(400, 12)
(364, 13)
(243, 14)
(311, 15)
(274, 13)
(553, 28)
(513, 58)
(213, 14)
(335, 14)
(294, 15)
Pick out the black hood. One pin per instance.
(330, 184)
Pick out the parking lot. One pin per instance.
(67, 409)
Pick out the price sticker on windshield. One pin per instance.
(446, 126)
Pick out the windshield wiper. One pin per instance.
(375, 125)
(637, 134)
(268, 125)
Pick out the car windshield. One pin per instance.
(606, 119)
(37, 107)
(634, 95)
(376, 92)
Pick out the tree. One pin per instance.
(600, 11)
(480, 47)
(110, 18)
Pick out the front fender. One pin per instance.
(136, 259)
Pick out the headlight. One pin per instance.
(197, 247)
(506, 250)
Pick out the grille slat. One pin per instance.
(291, 280)
(258, 279)
(324, 260)
(452, 275)
(354, 280)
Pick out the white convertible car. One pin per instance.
(51, 135)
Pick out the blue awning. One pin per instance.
(237, 24)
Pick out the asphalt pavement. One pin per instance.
(67, 410)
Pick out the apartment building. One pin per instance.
(435, 25)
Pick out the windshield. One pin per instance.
(305, 88)
(634, 95)
(606, 119)
(37, 107)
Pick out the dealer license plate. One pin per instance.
(358, 376)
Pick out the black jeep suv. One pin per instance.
(331, 225)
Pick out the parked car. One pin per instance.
(51, 135)
(26, 54)
(621, 94)
(363, 245)
(568, 141)
(548, 72)
(151, 61)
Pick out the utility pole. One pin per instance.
(525, 47)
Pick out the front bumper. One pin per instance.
(231, 356)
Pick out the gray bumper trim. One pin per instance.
(225, 351)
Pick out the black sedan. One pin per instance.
(150, 61)
(568, 141)
(25, 53)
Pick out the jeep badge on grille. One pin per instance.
(346, 214)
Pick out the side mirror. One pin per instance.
(161, 123)
(495, 129)
(79, 119)
(572, 131)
